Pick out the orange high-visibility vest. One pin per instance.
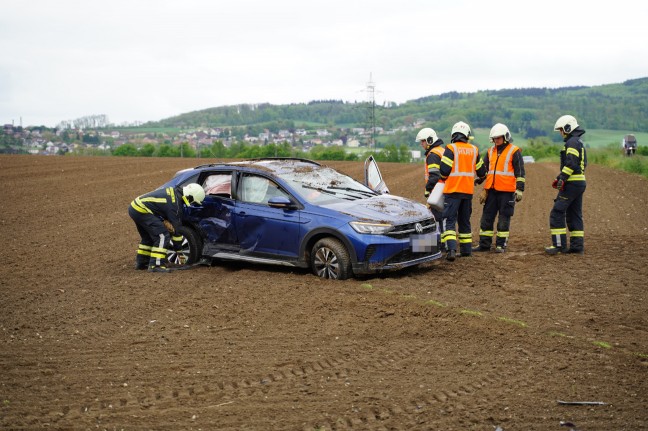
(462, 176)
(500, 174)
(438, 150)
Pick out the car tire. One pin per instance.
(330, 259)
(191, 249)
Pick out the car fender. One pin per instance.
(308, 241)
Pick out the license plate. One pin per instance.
(423, 243)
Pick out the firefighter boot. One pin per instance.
(485, 243)
(143, 257)
(141, 262)
(552, 250)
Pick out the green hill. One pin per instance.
(529, 112)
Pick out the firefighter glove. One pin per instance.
(482, 196)
(169, 226)
(558, 183)
(518, 195)
(479, 180)
(177, 241)
(427, 193)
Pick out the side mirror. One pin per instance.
(280, 202)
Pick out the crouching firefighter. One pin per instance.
(567, 211)
(149, 212)
(504, 187)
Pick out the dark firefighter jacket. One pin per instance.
(573, 158)
(432, 164)
(165, 203)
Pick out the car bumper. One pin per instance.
(395, 254)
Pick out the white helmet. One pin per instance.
(194, 193)
(462, 128)
(428, 135)
(498, 130)
(567, 122)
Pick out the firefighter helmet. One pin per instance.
(498, 130)
(427, 134)
(567, 123)
(194, 193)
(462, 128)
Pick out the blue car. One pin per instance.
(299, 213)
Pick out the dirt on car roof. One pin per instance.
(495, 340)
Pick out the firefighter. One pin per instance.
(150, 212)
(504, 187)
(567, 212)
(433, 147)
(459, 164)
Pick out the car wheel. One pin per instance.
(191, 248)
(330, 259)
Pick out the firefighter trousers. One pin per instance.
(457, 211)
(154, 242)
(567, 213)
(502, 203)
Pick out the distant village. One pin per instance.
(59, 141)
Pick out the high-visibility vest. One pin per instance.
(438, 150)
(462, 175)
(501, 176)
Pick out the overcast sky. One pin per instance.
(143, 60)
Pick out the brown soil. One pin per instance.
(494, 340)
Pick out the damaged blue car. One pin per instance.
(299, 213)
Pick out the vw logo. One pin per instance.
(418, 227)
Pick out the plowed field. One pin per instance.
(495, 340)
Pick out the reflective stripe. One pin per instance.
(449, 235)
(573, 151)
(502, 234)
(501, 174)
(171, 193)
(559, 231)
(485, 233)
(577, 177)
(567, 170)
(577, 233)
(144, 250)
(465, 238)
(463, 167)
(139, 207)
(433, 167)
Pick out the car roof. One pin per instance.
(274, 164)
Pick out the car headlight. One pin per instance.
(371, 228)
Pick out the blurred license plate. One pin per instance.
(422, 243)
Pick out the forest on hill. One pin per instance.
(529, 112)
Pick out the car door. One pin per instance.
(215, 215)
(373, 177)
(262, 230)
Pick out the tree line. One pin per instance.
(528, 112)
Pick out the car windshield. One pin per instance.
(323, 185)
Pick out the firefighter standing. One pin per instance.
(504, 187)
(149, 212)
(433, 148)
(567, 212)
(459, 164)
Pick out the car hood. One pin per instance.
(383, 208)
